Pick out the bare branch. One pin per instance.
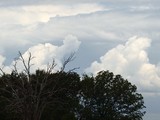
(51, 66)
(1, 69)
(27, 65)
(73, 69)
(66, 61)
(29, 93)
(15, 66)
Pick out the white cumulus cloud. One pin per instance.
(132, 62)
(43, 54)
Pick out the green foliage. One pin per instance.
(110, 97)
(42, 93)
(63, 96)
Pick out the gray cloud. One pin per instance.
(82, 1)
(32, 25)
(99, 25)
(118, 4)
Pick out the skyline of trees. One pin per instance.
(64, 95)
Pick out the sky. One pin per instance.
(121, 36)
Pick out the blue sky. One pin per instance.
(119, 35)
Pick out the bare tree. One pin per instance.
(29, 93)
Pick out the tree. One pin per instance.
(32, 96)
(60, 95)
(109, 97)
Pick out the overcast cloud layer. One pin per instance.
(101, 32)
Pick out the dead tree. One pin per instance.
(29, 93)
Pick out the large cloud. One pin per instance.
(43, 54)
(42, 13)
(131, 61)
(32, 23)
(45, 23)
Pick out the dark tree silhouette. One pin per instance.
(110, 97)
(32, 96)
(60, 95)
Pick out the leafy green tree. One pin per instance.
(110, 97)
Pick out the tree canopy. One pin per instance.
(64, 95)
(110, 97)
